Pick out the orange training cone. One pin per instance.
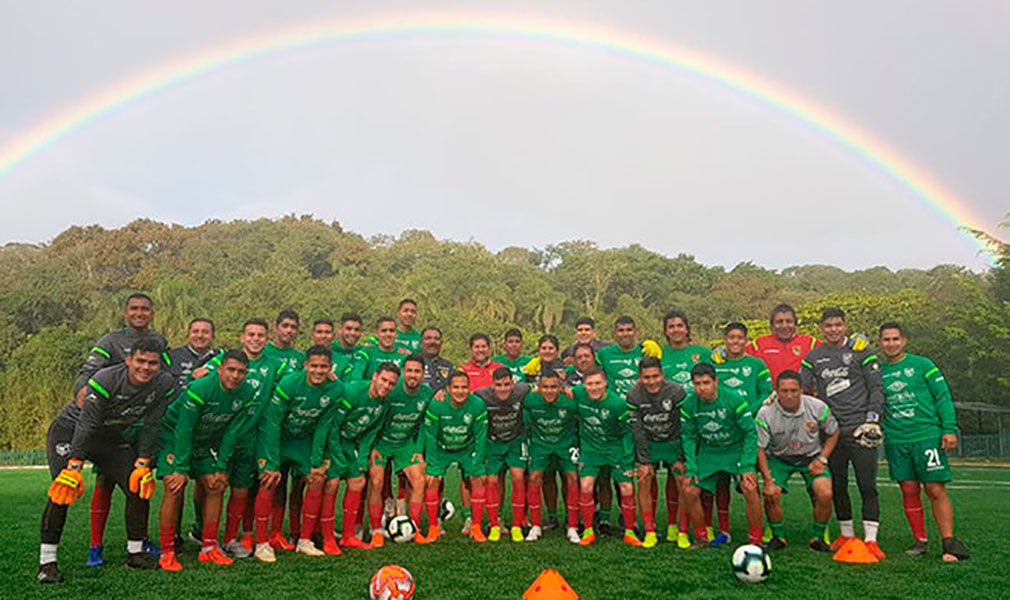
(550, 585)
(855, 551)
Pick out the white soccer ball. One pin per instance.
(401, 529)
(446, 510)
(751, 563)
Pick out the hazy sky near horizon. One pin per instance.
(516, 142)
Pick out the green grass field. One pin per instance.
(457, 568)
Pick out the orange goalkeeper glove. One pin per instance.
(69, 484)
(141, 479)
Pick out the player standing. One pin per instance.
(408, 339)
(506, 448)
(845, 374)
(719, 437)
(199, 348)
(654, 405)
(585, 333)
(455, 431)
(796, 434)
(679, 354)
(920, 427)
(345, 347)
(369, 358)
(91, 428)
(513, 356)
(783, 349)
(605, 441)
(282, 346)
(619, 360)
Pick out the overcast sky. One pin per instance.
(512, 142)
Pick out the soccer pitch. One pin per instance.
(455, 567)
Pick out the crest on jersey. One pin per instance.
(847, 358)
(443, 371)
(170, 458)
(324, 401)
(811, 426)
(722, 413)
(797, 350)
(262, 462)
(909, 372)
(562, 413)
(604, 414)
(63, 448)
(747, 371)
(420, 406)
(667, 405)
(467, 418)
(695, 357)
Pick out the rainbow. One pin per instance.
(631, 45)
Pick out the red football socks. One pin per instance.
(534, 493)
(310, 510)
(234, 514)
(264, 509)
(101, 500)
(572, 505)
(352, 500)
(431, 505)
(327, 516)
(913, 508)
(588, 508)
(628, 512)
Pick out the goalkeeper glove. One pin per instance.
(719, 355)
(69, 484)
(651, 348)
(141, 479)
(859, 342)
(533, 367)
(869, 434)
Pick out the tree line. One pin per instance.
(57, 298)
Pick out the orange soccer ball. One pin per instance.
(391, 582)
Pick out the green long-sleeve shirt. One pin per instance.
(677, 364)
(451, 428)
(263, 374)
(404, 415)
(722, 425)
(621, 367)
(748, 375)
(292, 356)
(551, 424)
(297, 410)
(918, 405)
(368, 358)
(206, 420)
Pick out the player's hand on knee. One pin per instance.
(175, 482)
(141, 479)
(68, 485)
(772, 491)
(217, 482)
(269, 479)
(646, 472)
(748, 481)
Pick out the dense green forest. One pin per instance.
(57, 298)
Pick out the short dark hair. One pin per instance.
(406, 301)
(832, 312)
(257, 321)
(235, 355)
(387, 366)
(138, 296)
(734, 326)
(650, 362)
(456, 375)
(702, 370)
(287, 313)
(624, 320)
(323, 322)
(431, 328)
(501, 373)
(586, 321)
(202, 320)
(549, 374)
(479, 336)
(581, 345)
(892, 325)
(781, 308)
(350, 316)
(677, 314)
(513, 333)
(148, 344)
(319, 350)
(789, 374)
(415, 357)
(549, 338)
(594, 370)
(381, 320)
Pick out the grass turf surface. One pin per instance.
(455, 567)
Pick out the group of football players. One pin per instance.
(265, 429)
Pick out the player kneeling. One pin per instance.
(554, 443)
(199, 434)
(789, 441)
(455, 431)
(719, 439)
(113, 399)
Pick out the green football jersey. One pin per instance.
(343, 360)
(918, 406)
(748, 375)
(621, 367)
(297, 410)
(453, 428)
(514, 364)
(206, 420)
(677, 364)
(603, 423)
(552, 424)
(368, 359)
(263, 374)
(722, 424)
(408, 340)
(364, 414)
(404, 415)
(292, 356)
